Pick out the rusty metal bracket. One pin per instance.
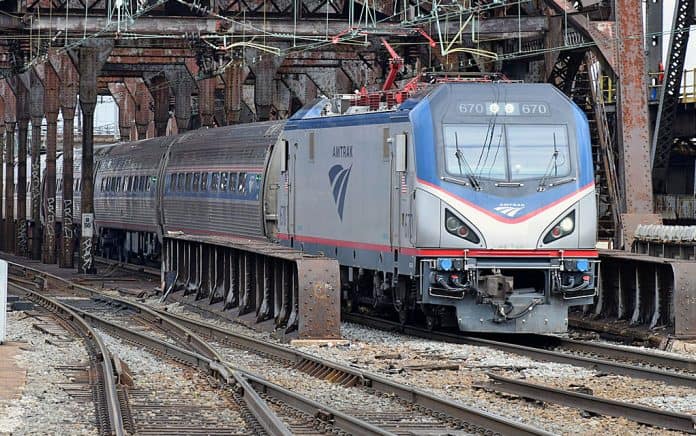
(684, 299)
(319, 298)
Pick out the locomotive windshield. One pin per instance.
(506, 152)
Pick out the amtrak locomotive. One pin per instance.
(470, 204)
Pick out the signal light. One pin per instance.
(563, 228)
(456, 227)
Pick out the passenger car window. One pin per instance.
(252, 182)
(180, 183)
(214, 181)
(204, 181)
(223, 181)
(241, 183)
(233, 182)
(189, 176)
(196, 181)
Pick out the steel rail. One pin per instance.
(203, 358)
(246, 381)
(618, 368)
(603, 406)
(614, 352)
(209, 360)
(104, 356)
(416, 396)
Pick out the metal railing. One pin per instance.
(687, 90)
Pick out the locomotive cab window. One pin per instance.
(538, 151)
(475, 150)
(506, 152)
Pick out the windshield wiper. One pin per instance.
(460, 158)
(553, 165)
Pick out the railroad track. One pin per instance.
(668, 369)
(430, 412)
(248, 390)
(649, 370)
(108, 402)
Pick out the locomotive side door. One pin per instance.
(272, 192)
(399, 204)
(282, 158)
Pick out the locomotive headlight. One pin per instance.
(494, 108)
(567, 224)
(457, 227)
(562, 228)
(452, 224)
(509, 108)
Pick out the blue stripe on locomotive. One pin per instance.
(426, 164)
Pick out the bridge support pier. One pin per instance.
(51, 107)
(91, 60)
(36, 100)
(68, 101)
(126, 110)
(9, 120)
(21, 247)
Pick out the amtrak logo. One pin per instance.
(509, 210)
(338, 178)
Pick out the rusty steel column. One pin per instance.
(206, 101)
(36, 98)
(264, 66)
(183, 87)
(68, 101)
(51, 106)
(263, 89)
(10, 120)
(88, 101)
(143, 100)
(126, 109)
(2, 168)
(234, 77)
(633, 119)
(21, 247)
(159, 90)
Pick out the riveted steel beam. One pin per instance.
(633, 118)
(278, 29)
